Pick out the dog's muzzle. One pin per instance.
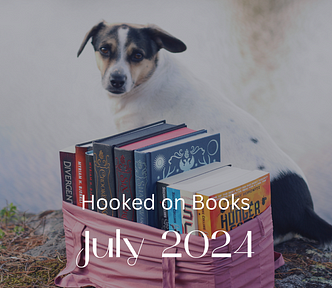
(117, 82)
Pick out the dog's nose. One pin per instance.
(117, 81)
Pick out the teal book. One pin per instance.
(174, 214)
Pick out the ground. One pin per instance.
(307, 264)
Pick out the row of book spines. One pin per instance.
(72, 162)
(103, 161)
(122, 183)
(69, 162)
(187, 219)
(77, 171)
(206, 220)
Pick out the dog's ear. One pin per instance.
(93, 31)
(165, 40)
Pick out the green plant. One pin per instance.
(18, 229)
(2, 233)
(8, 213)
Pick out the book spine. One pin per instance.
(104, 178)
(174, 214)
(161, 193)
(81, 176)
(68, 176)
(188, 215)
(125, 182)
(252, 198)
(203, 218)
(90, 181)
(141, 183)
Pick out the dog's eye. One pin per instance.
(104, 50)
(137, 56)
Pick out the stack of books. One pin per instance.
(212, 198)
(117, 175)
(166, 176)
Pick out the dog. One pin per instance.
(145, 83)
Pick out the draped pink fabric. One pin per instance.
(153, 270)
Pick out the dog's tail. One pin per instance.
(293, 212)
(314, 227)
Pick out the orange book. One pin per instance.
(251, 199)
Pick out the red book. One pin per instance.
(81, 181)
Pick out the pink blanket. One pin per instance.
(133, 262)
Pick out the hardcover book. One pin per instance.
(104, 162)
(156, 163)
(68, 174)
(90, 180)
(81, 180)
(124, 167)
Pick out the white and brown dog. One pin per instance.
(145, 84)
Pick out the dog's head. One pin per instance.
(127, 54)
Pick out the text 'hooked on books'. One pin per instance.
(167, 203)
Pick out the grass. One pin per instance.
(16, 268)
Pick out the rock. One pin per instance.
(307, 264)
(49, 224)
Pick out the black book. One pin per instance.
(104, 162)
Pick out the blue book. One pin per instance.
(174, 214)
(156, 163)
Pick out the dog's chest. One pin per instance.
(178, 98)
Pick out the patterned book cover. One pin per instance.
(152, 165)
